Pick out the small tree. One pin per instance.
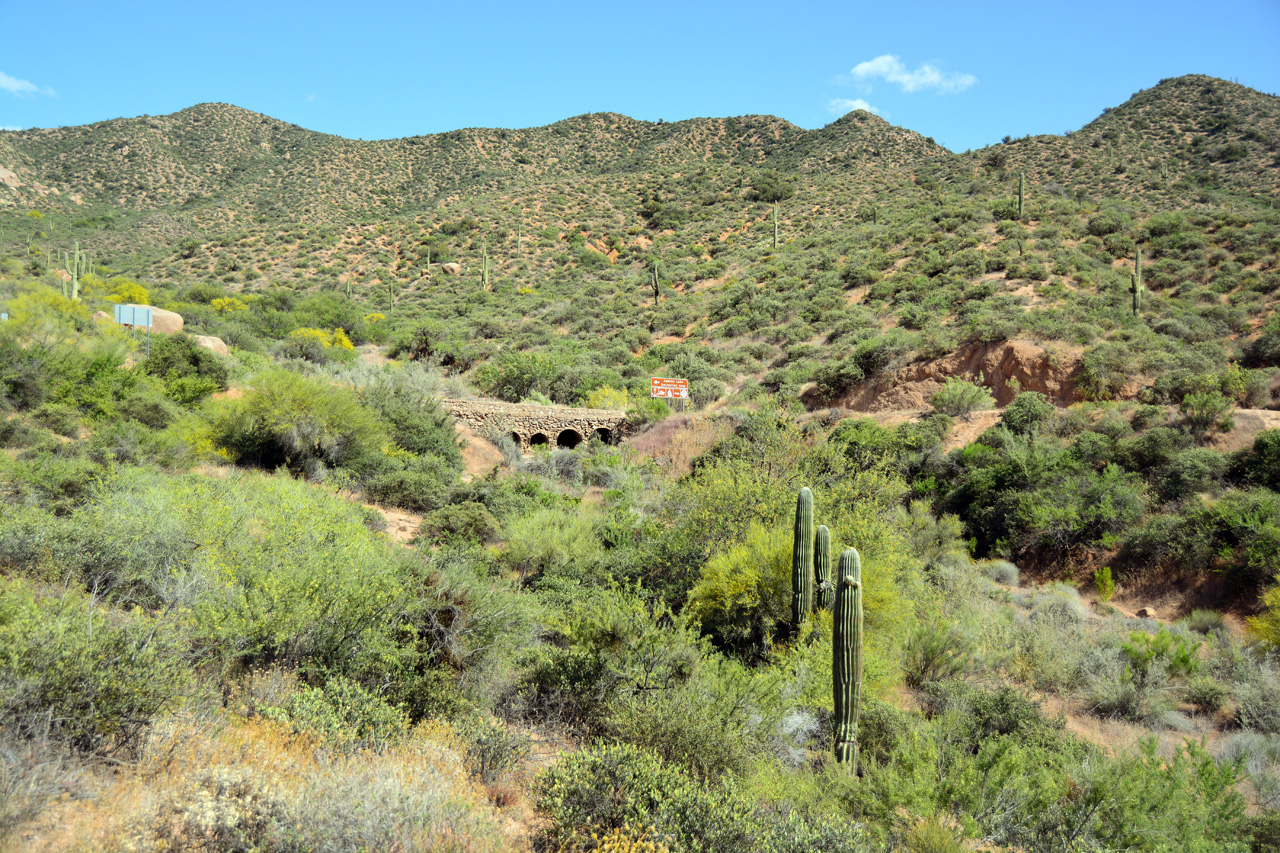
(958, 398)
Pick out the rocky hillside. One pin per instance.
(821, 261)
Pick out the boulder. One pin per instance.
(1147, 613)
(103, 315)
(451, 269)
(165, 322)
(211, 343)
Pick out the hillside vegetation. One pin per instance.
(208, 641)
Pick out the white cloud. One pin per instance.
(928, 76)
(848, 105)
(310, 98)
(6, 127)
(14, 86)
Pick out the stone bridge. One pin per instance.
(539, 426)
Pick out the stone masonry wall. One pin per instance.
(561, 426)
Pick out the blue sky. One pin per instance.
(964, 73)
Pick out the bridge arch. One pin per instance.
(539, 426)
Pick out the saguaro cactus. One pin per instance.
(775, 225)
(846, 658)
(825, 591)
(1135, 282)
(802, 559)
(76, 266)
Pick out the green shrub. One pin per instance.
(1258, 705)
(407, 401)
(295, 421)
(1207, 412)
(1264, 831)
(342, 714)
(189, 370)
(56, 482)
(16, 432)
(1105, 369)
(1204, 621)
(1264, 350)
(1191, 472)
(265, 568)
(63, 420)
(1059, 605)
(608, 787)
(89, 676)
(421, 485)
(1119, 694)
(1204, 693)
(459, 522)
(1104, 583)
(1028, 411)
(935, 652)
(864, 441)
(1259, 465)
(933, 835)
(492, 749)
(130, 442)
(1000, 571)
(718, 721)
(554, 544)
(959, 398)
(149, 406)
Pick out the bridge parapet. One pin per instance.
(532, 426)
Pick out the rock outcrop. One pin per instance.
(211, 343)
(165, 322)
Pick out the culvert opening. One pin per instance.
(539, 439)
(568, 439)
(603, 435)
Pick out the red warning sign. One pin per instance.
(671, 389)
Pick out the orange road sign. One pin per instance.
(671, 389)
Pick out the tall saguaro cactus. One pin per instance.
(775, 225)
(1135, 282)
(802, 559)
(825, 591)
(76, 265)
(846, 658)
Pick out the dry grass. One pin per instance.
(675, 442)
(202, 782)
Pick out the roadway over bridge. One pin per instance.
(539, 426)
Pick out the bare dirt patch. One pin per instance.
(1006, 368)
(402, 525)
(479, 457)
